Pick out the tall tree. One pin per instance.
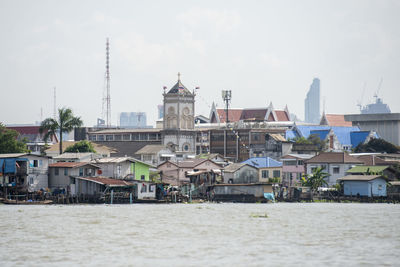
(377, 145)
(65, 123)
(9, 142)
(81, 146)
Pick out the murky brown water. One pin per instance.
(200, 235)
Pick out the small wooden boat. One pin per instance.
(24, 202)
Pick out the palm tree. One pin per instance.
(64, 124)
(316, 179)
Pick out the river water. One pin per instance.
(279, 234)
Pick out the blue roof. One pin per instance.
(264, 162)
(290, 134)
(341, 132)
(358, 137)
(320, 133)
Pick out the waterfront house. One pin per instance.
(62, 174)
(364, 185)
(124, 168)
(267, 168)
(242, 192)
(293, 168)
(99, 185)
(24, 172)
(240, 173)
(155, 154)
(336, 164)
(175, 173)
(393, 190)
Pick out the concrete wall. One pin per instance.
(38, 176)
(329, 168)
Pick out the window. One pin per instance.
(56, 171)
(35, 163)
(276, 173)
(143, 189)
(299, 175)
(72, 180)
(289, 162)
(151, 188)
(118, 137)
(30, 180)
(264, 174)
(300, 162)
(92, 137)
(142, 177)
(336, 169)
(80, 171)
(109, 137)
(147, 157)
(65, 171)
(100, 138)
(127, 137)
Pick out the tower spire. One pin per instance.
(179, 76)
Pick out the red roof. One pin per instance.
(281, 115)
(234, 115)
(25, 129)
(336, 120)
(257, 114)
(70, 164)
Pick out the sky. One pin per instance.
(263, 51)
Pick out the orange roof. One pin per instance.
(337, 120)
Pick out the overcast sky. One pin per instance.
(261, 50)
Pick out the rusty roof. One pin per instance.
(106, 181)
(71, 164)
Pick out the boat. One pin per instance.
(24, 202)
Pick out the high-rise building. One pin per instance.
(312, 103)
(133, 120)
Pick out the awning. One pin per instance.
(10, 164)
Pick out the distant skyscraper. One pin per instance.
(133, 120)
(160, 111)
(312, 102)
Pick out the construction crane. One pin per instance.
(359, 102)
(379, 88)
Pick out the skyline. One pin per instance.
(263, 51)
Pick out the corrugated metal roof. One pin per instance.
(290, 134)
(106, 181)
(366, 169)
(150, 149)
(263, 162)
(342, 133)
(12, 155)
(235, 166)
(360, 177)
(69, 155)
(297, 156)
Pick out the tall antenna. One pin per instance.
(55, 105)
(226, 96)
(107, 85)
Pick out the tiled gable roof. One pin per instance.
(334, 157)
(336, 120)
(256, 114)
(282, 115)
(234, 115)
